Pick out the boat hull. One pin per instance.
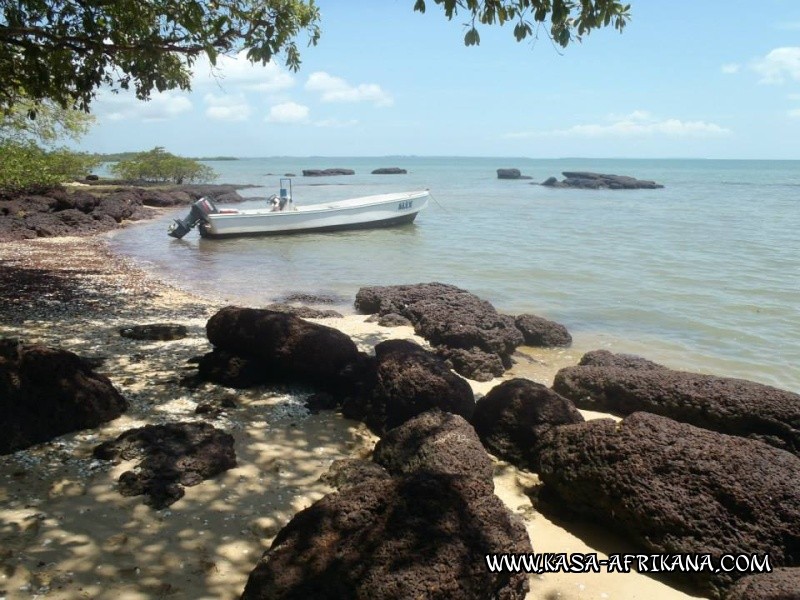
(386, 210)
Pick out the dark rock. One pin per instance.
(92, 177)
(347, 472)
(286, 347)
(604, 358)
(154, 332)
(207, 408)
(510, 174)
(780, 584)
(326, 172)
(409, 381)
(231, 370)
(312, 298)
(599, 181)
(46, 392)
(289, 175)
(513, 416)
(732, 406)
(421, 536)
(389, 171)
(473, 363)
(435, 442)
(304, 312)
(675, 488)
(321, 401)
(172, 456)
(446, 316)
(538, 331)
(393, 320)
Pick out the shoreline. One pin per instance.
(66, 532)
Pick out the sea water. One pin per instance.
(703, 274)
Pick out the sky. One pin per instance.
(686, 79)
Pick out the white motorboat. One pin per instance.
(281, 216)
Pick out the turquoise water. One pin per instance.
(703, 274)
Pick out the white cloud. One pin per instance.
(237, 71)
(336, 89)
(124, 105)
(637, 124)
(730, 68)
(288, 112)
(336, 123)
(779, 65)
(795, 113)
(227, 108)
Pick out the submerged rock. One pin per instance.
(675, 488)
(46, 392)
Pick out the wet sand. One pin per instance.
(66, 532)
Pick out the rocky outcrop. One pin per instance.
(154, 332)
(172, 456)
(538, 331)
(46, 392)
(473, 363)
(420, 536)
(511, 174)
(389, 171)
(269, 346)
(511, 419)
(435, 442)
(347, 472)
(732, 406)
(327, 172)
(675, 488)
(447, 316)
(409, 380)
(781, 584)
(604, 358)
(88, 211)
(599, 181)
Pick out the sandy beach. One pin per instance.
(66, 532)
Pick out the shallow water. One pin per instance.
(703, 274)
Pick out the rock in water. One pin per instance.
(599, 181)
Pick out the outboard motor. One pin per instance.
(201, 208)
